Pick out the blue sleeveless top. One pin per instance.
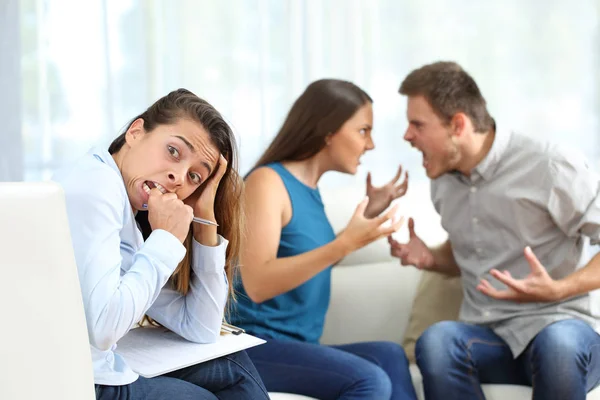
(300, 313)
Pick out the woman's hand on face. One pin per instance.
(381, 197)
(203, 199)
(203, 203)
(167, 212)
(362, 231)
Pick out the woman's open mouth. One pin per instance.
(149, 185)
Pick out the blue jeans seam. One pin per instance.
(259, 383)
(475, 382)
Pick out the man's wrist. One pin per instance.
(562, 289)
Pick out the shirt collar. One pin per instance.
(490, 162)
(104, 156)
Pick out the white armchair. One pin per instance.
(44, 331)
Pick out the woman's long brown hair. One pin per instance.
(321, 110)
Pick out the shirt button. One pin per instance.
(479, 250)
(473, 189)
(486, 313)
(475, 220)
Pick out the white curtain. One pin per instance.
(87, 67)
(11, 151)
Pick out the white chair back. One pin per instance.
(44, 347)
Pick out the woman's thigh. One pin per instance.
(159, 388)
(230, 377)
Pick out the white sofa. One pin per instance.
(372, 294)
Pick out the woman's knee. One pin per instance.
(374, 382)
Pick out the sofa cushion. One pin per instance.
(492, 392)
(370, 302)
(340, 205)
(438, 298)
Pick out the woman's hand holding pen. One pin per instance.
(167, 212)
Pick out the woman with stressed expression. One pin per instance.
(139, 255)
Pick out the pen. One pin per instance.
(232, 329)
(195, 219)
(204, 221)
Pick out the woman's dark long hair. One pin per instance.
(321, 110)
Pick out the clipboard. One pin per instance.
(154, 351)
